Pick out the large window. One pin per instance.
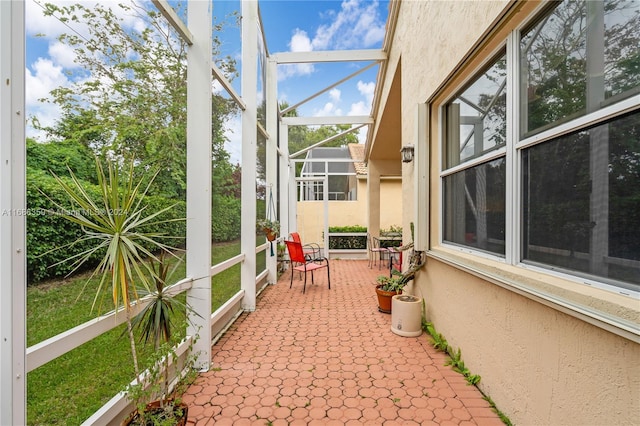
(474, 192)
(575, 151)
(581, 200)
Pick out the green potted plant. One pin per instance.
(153, 399)
(387, 287)
(270, 228)
(120, 229)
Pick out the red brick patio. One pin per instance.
(328, 357)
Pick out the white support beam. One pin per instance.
(170, 15)
(264, 132)
(289, 181)
(329, 56)
(271, 100)
(286, 168)
(321, 121)
(249, 82)
(13, 215)
(199, 179)
(326, 89)
(226, 84)
(327, 140)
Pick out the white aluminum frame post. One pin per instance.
(272, 162)
(199, 178)
(13, 215)
(249, 82)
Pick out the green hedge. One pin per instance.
(347, 242)
(46, 231)
(225, 219)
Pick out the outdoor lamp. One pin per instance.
(407, 153)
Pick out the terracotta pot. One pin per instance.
(271, 236)
(384, 299)
(181, 420)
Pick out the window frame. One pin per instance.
(516, 143)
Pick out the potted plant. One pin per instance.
(270, 228)
(387, 287)
(391, 299)
(123, 232)
(153, 399)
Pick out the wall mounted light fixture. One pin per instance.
(407, 153)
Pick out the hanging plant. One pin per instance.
(270, 228)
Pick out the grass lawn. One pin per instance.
(72, 387)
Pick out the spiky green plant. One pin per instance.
(154, 321)
(116, 222)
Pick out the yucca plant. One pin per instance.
(117, 223)
(156, 326)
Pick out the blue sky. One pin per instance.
(294, 25)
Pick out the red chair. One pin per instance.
(305, 263)
(311, 250)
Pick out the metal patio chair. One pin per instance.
(304, 263)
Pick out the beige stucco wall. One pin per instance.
(347, 213)
(540, 365)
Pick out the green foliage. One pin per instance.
(393, 229)
(113, 224)
(395, 282)
(225, 219)
(352, 242)
(65, 390)
(348, 229)
(268, 225)
(126, 105)
(47, 230)
(500, 414)
(438, 341)
(60, 157)
(457, 363)
(455, 357)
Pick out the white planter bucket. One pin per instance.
(406, 315)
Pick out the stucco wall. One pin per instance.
(347, 213)
(539, 365)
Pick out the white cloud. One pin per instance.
(45, 77)
(356, 25)
(233, 132)
(367, 90)
(291, 70)
(63, 55)
(300, 41)
(335, 94)
(359, 108)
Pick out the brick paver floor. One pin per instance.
(328, 357)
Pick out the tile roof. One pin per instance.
(357, 153)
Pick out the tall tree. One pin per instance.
(129, 100)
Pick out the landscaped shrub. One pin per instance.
(348, 242)
(47, 231)
(225, 219)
